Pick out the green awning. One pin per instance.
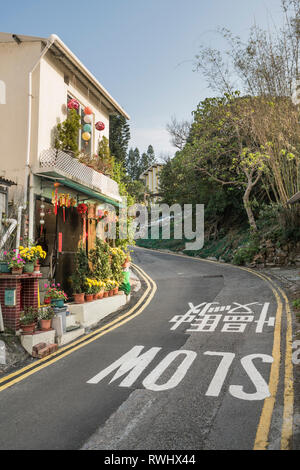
(51, 175)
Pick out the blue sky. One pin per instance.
(142, 51)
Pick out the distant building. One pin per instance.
(151, 179)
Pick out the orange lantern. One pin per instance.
(88, 110)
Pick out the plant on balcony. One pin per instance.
(67, 134)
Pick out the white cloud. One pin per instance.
(159, 138)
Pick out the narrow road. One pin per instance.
(200, 367)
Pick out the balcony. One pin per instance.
(58, 164)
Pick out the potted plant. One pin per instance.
(101, 289)
(28, 320)
(31, 255)
(89, 295)
(45, 317)
(57, 295)
(16, 263)
(4, 262)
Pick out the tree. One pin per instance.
(224, 147)
(119, 136)
(179, 132)
(133, 164)
(265, 65)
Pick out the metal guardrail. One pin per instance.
(57, 159)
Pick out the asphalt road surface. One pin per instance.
(192, 371)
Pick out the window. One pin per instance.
(84, 146)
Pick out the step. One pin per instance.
(69, 336)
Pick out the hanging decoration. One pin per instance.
(64, 201)
(42, 215)
(55, 197)
(82, 210)
(88, 118)
(87, 128)
(100, 126)
(86, 136)
(87, 110)
(73, 104)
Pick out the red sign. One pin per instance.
(60, 242)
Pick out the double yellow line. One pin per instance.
(137, 309)
(263, 430)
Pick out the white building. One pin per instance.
(38, 77)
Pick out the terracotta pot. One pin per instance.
(37, 268)
(105, 294)
(28, 329)
(79, 298)
(101, 294)
(89, 297)
(45, 325)
(16, 270)
(116, 290)
(95, 296)
(110, 293)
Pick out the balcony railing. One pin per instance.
(61, 163)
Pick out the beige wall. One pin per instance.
(49, 101)
(152, 179)
(15, 63)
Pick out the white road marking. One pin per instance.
(151, 379)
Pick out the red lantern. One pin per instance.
(100, 126)
(88, 110)
(73, 104)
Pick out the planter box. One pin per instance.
(89, 314)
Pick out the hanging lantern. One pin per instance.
(87, 128)
(88, 118)
(42, 214)
(86, 136)
(73, 104)
(100, 126)
(88, 110)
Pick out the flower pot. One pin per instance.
(110, 293)
(16, 270)
(37, 267)
(47, 300)
(79, 298)
(89, 297)
(28, 329)
(95, 296)
(4, 268)
(28, 268)
(58, 302)
(45, 325)
(105, 294)
(116, 290)
(100, 295)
